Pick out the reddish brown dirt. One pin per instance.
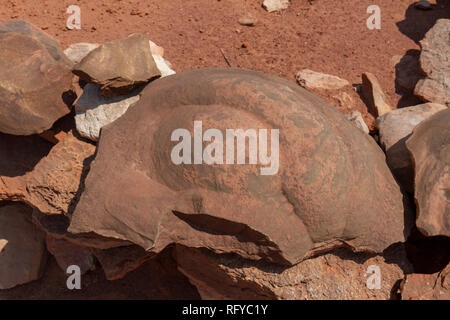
(323, 35)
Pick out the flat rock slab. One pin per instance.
(333, 186)
(34, 75)
(429, 146)
(395, 128)
(435, 64)
(373, 95)
(275, 5)
(309, 79)
(23, 256)
(119, 66)
(427, 286)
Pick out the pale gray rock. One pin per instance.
(395, 128)
(356, 118)
(275, 5)
(77, 51)
(93, 110)
(309, 79)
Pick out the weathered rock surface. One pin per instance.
(93, 110)
(340, 275)
(395, 128)
(163, 65)
(427, 286)
(54, 183)
(23, 256)
(337, 191)
(275, 5)
(430, 149)
(67, 254)
(435, 63)
(374, 96)
(117, 262)
(77, 51)
(33, 78)
(119, 66)
(356, 118)
(309, 79)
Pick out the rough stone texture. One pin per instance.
(77, 51)
(435, 63)
(374, 96)
(119, 66)
(54, 183)
(117, 262)
(309, 79)
(23, 257)
(340, 275)
(275, 5)
(395, 128)
(337, 191)
(34, 74)
(356, 118)
(67, 254)
(430, 149)
(427, 286)
(93, 110)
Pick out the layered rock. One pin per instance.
(429, 146)
(395, 128)
(22, 254)
(54, 183)
(435, 64)
(119, 66)
(332, 188)
(33, 78)
(340, 275)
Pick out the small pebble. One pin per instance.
(248, 21)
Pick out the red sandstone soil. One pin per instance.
(327, 36)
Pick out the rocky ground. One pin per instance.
(86, 179)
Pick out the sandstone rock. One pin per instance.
(275, 5)
(34, 74)
(54, 183)
(395, 128)
(77, 51)
(117, 262)
(337, 191)
(374, 95)
(155, 49)
(67, 254)
(435, 63)
(119, 66)
(355, 117)
(427, 286)
(163, 66)
(430, 149)
(340, 275)
(309, 79)
(23, 258)
(93, 111)
(248, 21)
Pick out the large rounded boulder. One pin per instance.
(34, 75)
(167, 172)
(429, 146)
